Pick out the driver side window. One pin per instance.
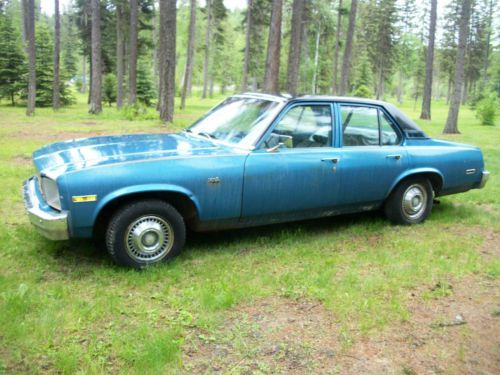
(304, 126)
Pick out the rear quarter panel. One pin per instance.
(460, 165)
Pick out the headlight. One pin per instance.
(51, 193)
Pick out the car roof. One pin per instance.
(411, 129)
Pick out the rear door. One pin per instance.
(294, 170)
(372, 154)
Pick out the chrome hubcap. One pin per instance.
(414, 201)
(149, 238)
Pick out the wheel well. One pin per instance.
(181, 202)
(435, 179)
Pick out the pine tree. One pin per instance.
(69, 41)
(381, 40)
(145, 88)
(219, 61)
(12, 60)
(259, 21)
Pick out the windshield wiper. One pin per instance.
(208, 135)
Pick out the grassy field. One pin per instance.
(351, 294)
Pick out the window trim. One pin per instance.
(289, 107)
(380, 109)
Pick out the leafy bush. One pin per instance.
(109, 88)
(138, 111)
(486, 109)
(363, 91)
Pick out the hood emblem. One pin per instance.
(214, 180)
(83, 198)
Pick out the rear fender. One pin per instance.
(436, 177)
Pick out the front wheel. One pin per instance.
(410, 202)
(145, 232)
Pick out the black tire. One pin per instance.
(139, 224)
(410, 202)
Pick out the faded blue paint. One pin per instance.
(256, 186)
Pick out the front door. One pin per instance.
(294, 172)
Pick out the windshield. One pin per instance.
(237, 120)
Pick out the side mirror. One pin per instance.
(275, 148)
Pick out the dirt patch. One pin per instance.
(21, 160)
(274, 335)
(459, 333)
(49, 137)
(491, 245)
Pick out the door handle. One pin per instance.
(333, 160)
(395, 156)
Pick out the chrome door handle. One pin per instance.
(395, 156)
(333, 160)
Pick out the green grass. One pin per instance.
(65, 308)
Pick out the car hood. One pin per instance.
(62, 157)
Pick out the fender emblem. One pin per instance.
(214, 180)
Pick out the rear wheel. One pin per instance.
(145, 232)
(410, 202)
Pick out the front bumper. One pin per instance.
(484, 178)
(50, 223)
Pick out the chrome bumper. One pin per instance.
(484, 178)
(49, 223)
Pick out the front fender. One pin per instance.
(414, 172)
(146, 188)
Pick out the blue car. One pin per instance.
(254, 159)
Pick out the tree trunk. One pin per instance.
(120, 53)
(316, 59)
(465, 91)
(95, 88)
(132, 75)
(190, 53)
(83, 88)
(272, 75)
(380, 81)
(305, 50)
(29, 30)
(207, 49)
(399, 90)
(346, 63)
(167, 59)
(426, 100)
(337, 48)
(448, 92)
(489, 28)
(154, 32)
(294, 51)
(451, 126)
(56, 83)
(246, 61)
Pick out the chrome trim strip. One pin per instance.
(470, 171)
(484, 178)
(49, 223)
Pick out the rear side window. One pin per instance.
(367, 126)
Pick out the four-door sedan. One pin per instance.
(254, 159)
